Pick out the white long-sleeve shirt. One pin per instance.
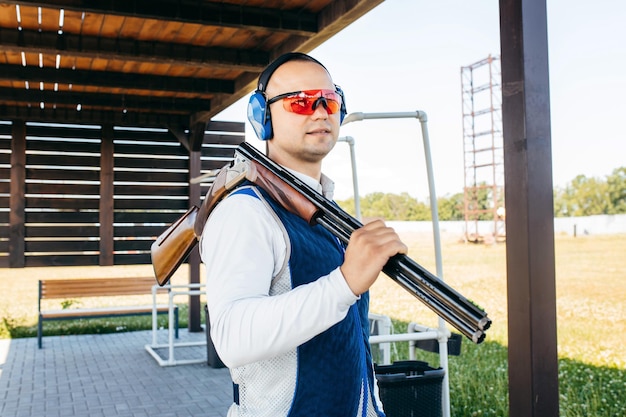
(244, 247)
(257, 319)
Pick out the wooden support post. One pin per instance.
(195, 311)
(18, 196)
(106, 196)
(533, 360)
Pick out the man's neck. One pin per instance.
(311, 169)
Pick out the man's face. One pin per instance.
(301, 139)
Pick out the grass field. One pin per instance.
(591, 315)
(590, 284)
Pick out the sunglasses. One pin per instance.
(306, 102)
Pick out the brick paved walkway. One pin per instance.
(107, 375)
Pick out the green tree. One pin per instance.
(348, 206)
(616, 189)
(583, 197)
(394, 207)
(451, 208)
(388, 206)
(480, 202)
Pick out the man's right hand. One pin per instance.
(369, 249)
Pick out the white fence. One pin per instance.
(590, 225)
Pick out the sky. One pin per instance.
(406, 55)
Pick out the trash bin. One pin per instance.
(410, 389)
(213, 358)
(432, 345)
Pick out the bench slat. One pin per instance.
(93, 312)
(95, 287)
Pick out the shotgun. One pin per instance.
(298, 198)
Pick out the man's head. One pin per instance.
(300, 109)
(259, 113)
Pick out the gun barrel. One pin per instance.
(458, 311)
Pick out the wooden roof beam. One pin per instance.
(66, 115)
(126, 81)
(297, 22)
(179, 133)
(197, 126)
(131, 50)
(103, 101)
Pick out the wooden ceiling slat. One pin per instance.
(92, 23)
(8, 16)
(51, 44)
(299, 22)
(130, 28)
(96, 100)
(72, 22)
(50, 19)
(111, 26)
(117, 80)
(28, 17)
(64, 115)
(162, 48)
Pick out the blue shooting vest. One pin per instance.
(334, 365)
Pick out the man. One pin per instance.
(288, 305)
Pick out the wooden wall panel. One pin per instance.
(63, 246)
(62, 260)
(67, 173)
(179, 205)
(5, 187)
(17, 199)
(107, 167)
(62, 191)
(151, 182)
(61, 217)
(65, 195)
(150, 177)
(71, 204)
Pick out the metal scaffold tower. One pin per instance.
(483, 151)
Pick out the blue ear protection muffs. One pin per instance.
(258, 110)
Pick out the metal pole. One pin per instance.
(444, 333)
(355, 181)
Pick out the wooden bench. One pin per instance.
(96, 287)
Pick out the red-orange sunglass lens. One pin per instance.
(306, 102)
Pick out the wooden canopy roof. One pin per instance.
(165, 63)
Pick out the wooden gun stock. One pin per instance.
(284, 194)
(173, 246)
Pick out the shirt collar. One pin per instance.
(324, 186)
